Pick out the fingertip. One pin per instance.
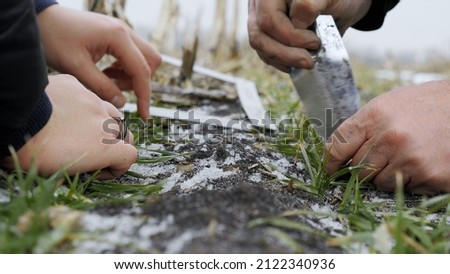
(333, 158)
(118, 101)
(299, 24)
(125, 156)
(133, 153)
(144, 109)
(105, 174)
(99, 83)
(144, 113)
(332, 167)
(307, 63)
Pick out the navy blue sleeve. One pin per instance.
(376, 15)
(41, 5)
(24, 107)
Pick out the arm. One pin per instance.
(279, 33)
(24, 107)
(65, 127)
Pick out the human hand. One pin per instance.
(278, 29)
(74, 41)
(81, 135)
(405, 130)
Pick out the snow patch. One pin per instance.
(176, 245)
(209, 172)
(255, 177)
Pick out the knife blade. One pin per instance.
(327, 91)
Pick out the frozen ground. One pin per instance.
(211, 195)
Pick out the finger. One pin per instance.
(135, 66)
(373, 161)
(268, 48)
(278, 66)
(281, 55)
(117, 119)
(129, 139)
(427, 187)
(278, 26)
(268, 18)
(121, 79)
(416, 177)
(115, 72)
(99, 83)
(388, 178)
(112, 110)
(124, 84)
(121, 156)
(304, 13)
(150, 53)
(344, 143)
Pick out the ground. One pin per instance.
(218, 197)
(218, 192)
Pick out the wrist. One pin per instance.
(362, 7)
(374, 17)
(37, 120)
(348, 12)
(41, 5)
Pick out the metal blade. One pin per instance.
(328, 91)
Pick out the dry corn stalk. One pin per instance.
(113, 8)
(168, 20)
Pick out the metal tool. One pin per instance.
(328, 91)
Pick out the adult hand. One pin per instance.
(74, 41)
(406, 131)
(81, 135)
(278, 29)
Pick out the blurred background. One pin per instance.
(413, 27)
(412, 47)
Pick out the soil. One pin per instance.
(212, 192)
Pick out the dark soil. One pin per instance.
(213, 215)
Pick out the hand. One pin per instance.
(405, 131)
(278, 29)
(79, 135)
(74, 41)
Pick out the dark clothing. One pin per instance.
(375, 17)
(24, 107)
(41, 5)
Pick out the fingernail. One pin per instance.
(305, 64)
(313, 45)
(299, 24)
(118, 101)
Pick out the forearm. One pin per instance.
(374, 18)
(24, 107)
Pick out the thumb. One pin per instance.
(122, 157)
(100, 84)
(304, 13)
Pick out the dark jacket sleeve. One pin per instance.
(375, 17)
(41, 5)
(24, 107)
